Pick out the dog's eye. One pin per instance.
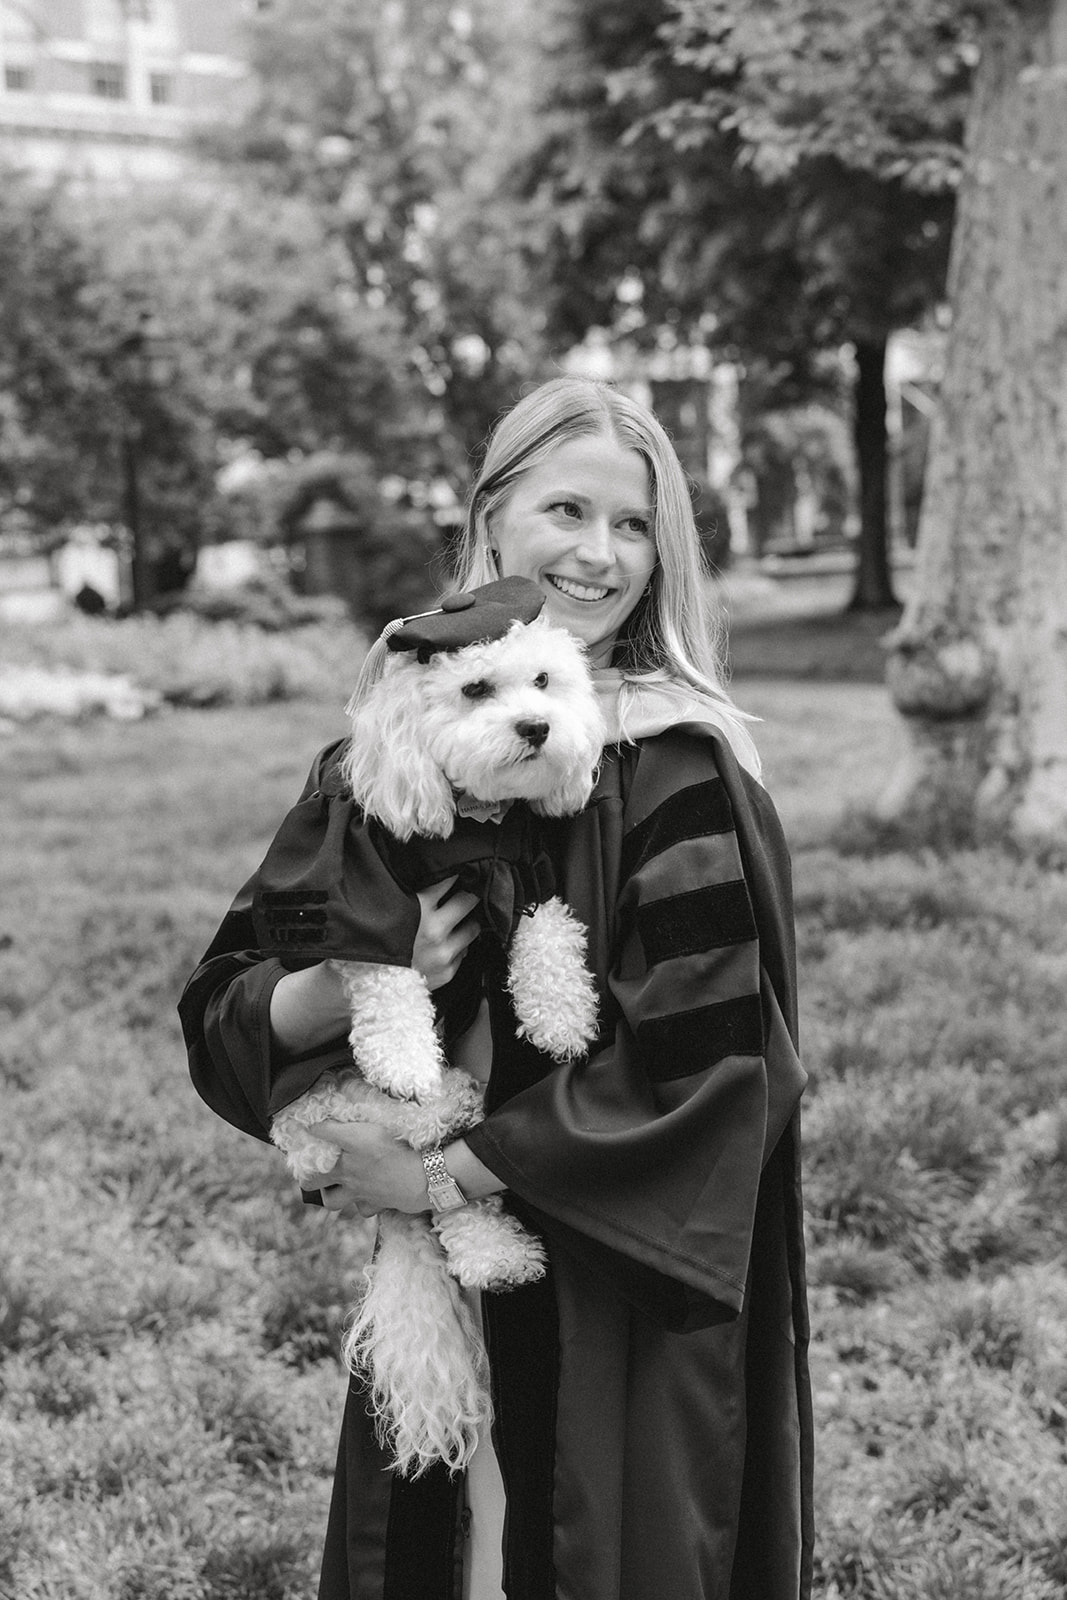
(481, 689)
(541, 681)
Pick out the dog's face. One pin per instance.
(516, 719)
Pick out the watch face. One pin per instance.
(446, 1196)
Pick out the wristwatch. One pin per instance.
(445, 1193)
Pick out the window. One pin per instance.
(18, 78)
(161, 88)
(108, 80)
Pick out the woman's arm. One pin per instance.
(308, 1008)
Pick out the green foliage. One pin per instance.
(791, 167)
(271, 345)
(876, 88)
(395, 125)
(284, 353)
(64, 400)
(72, 406)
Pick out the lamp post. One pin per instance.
(145, 361)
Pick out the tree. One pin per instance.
(267, 349)
(284, 355)
(54, 396)
(83, 437)
(395, 123)
(793, 164)
(979, 667)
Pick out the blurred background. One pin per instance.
(269, 270)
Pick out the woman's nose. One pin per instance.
(594, 542)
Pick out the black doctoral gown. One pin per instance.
(652, 1404)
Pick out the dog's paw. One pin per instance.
(393, 1029)
(487, 1248)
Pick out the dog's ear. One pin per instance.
(387, 766)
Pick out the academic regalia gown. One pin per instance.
(652, 1405)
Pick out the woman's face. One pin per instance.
(580, 525)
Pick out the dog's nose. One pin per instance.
(535, 733)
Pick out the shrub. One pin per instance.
(263, 602)
(180, 660)
(30, 692)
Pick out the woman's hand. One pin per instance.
(308, 1007)
(373, 1171)
(446, 929)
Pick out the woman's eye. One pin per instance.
(541, 681)
(570, 508)
(638, 525)
(479, 690)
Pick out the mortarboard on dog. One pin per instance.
(474, 616)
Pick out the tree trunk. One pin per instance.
(979, 664)
(873, 584)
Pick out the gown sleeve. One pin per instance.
(225, 1006)
(327, 887)
(646, 1158)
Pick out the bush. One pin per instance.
(264, 602)
(181, 660)
(30, 692)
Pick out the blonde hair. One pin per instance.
(675, 637)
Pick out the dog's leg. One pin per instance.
(551, 986)
(393, 1038)
(418, 1344)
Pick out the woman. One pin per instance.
(652, 1434)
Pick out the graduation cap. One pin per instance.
(474, 616)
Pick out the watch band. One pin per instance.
(445, 1193)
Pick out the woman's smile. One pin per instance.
(577, 591)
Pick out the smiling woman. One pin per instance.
(652, 1433)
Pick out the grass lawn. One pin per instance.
(169, 1395)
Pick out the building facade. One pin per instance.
(110, 90)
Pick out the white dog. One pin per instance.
(447, 725)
